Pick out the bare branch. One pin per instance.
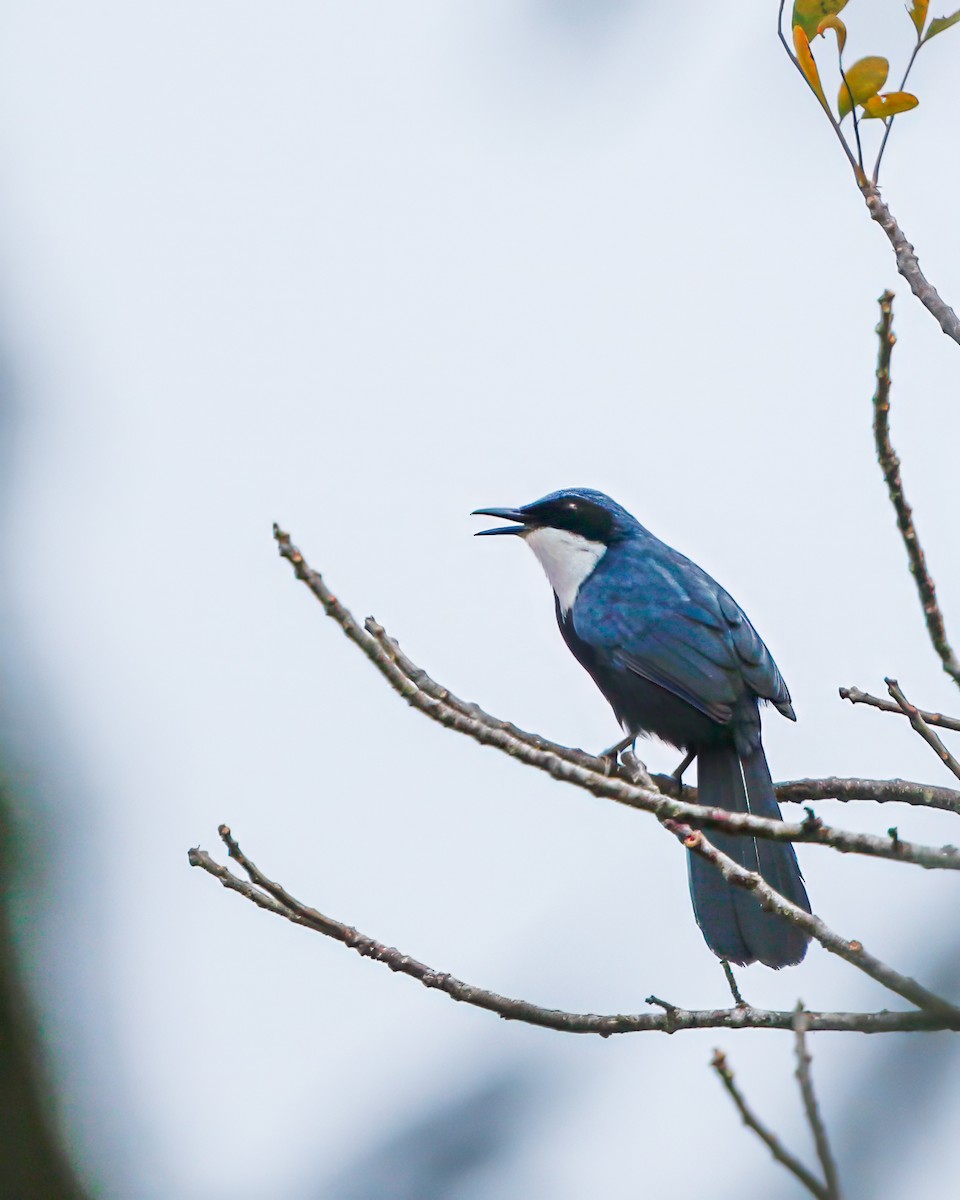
(770, 900)
(812, 1109)
(770, 1140)
(919, 724)
(908, 265)
(880, 791)
(799, 791)
(855, 696)
(274, 899)
(890, 465)
(574, 766)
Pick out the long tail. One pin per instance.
(732, 922)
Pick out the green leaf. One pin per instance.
(918, 14)
(809, 13)
(801, 43)
(866, 77)
(940, 24)
(889, 104)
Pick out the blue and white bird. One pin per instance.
(676, 658)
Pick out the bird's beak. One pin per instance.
(506, 514)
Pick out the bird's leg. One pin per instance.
(677, 775)
(623, 744)
(732, 983)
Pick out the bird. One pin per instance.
(677, 659)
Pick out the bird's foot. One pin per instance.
(677, 775)
(732, 984)
(612, 754)
(623, 744)
(636, 771)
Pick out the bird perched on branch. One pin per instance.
(676, 657)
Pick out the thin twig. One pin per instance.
(770, 1140)
(771, 901)
(276, 900)
(855, 696)
(890, 465)
(853, 110)
(912, 713)
(890, 120)
(575, 766)
(812, 1109)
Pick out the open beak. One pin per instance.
(505, 514)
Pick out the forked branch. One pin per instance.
(586, 771)
(771, 900)
(855, 696)
(829, 1189)
(812, 1108)
(275, 899)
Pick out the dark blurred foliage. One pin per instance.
(879, 1131)
(450, 1149)
(33, 1165)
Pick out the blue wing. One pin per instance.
(655, 614)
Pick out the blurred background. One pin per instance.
(360, 269)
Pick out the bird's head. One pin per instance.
(581, 511)
(569, 531)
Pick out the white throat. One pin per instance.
(567, 558)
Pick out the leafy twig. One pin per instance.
(857, 171)
(907, 263)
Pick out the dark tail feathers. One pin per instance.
(732, 922)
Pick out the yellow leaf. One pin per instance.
(918, 14)
(889, 104)
(801, 43)
(809, 13)
(838, 28)
(866, 77)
